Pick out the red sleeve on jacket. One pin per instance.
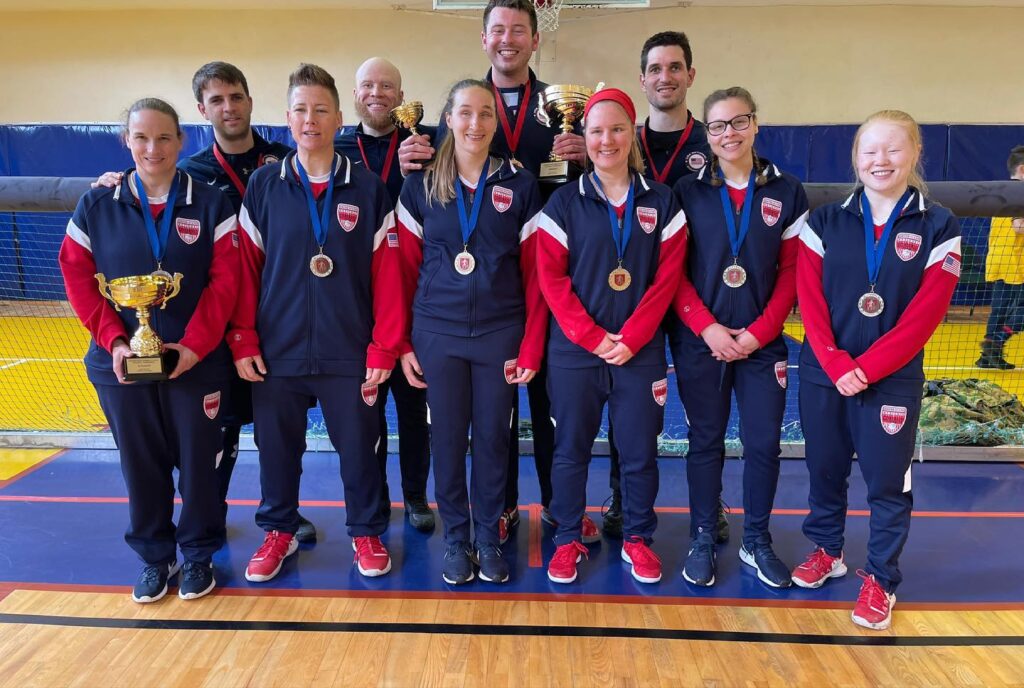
(531, 351)
(207, 326)
(813, 309)
(915, 326)
(555, 284)
(410, 247)
(688, 306)
(79, 269)
(390, 315)
(769, 324)
(640, 327)
(242, 337)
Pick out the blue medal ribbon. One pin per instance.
(874, 251)
(736, 238)
(157, 239)
(322, 221)
(621, 239)
(468, 224)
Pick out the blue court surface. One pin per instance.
(63, 524)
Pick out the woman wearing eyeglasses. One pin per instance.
(726, 334)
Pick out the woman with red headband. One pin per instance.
(609, 261)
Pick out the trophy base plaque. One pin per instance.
(556, 173)
(150, 368)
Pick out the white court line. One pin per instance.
(17, 362)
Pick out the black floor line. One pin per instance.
(503, 630)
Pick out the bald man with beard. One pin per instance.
(374, 143)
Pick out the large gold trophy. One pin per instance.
(143, 292)
(408, 115)
(566, 103)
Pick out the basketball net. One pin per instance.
(547, 14)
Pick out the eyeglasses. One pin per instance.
(738, 123)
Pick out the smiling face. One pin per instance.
(228, 108)
(378, 91)
(313, 117)
(609, 136)
(885, 156)
(667, 77)
(154, 141)
(472, 120)
(732, 145)
(509, 41)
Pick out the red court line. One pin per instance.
(534, 560)
(533, 512)
(7, 588)
(31, 469)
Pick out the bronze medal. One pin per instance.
(619, 279)
(465, 263)
(321, 265)
(871, 304)
(734, 276)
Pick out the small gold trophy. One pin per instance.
(566, 103)
(408, 115)
(143, 292)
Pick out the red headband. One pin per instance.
(616, 96)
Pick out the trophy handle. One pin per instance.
(172, 290)
(541, 113)
(105, 289)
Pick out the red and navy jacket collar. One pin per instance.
(917, 203)
(587, 189)
(342, 170)
(123, 192)
(771, 172)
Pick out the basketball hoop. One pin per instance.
(547, 14)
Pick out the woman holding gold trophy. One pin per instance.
(468, 227)
(161, 389)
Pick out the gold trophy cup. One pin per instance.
(143, 292)
(408, 115)
(564, 102)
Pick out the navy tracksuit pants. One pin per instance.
(578, 396)
(1006, 318)
(466, 386)
(238, 413)
(413, 436)
(543, 440)
(280, 405)
(881, 428)
(158, 427)
(706, 387)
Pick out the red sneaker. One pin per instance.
(818, 568)
(874, 604)
(509, 520)
(267, 561)
(590, 533)
(562, 567)
(646, 564)
(371, 556)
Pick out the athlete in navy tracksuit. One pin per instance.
(861, 367)
(777, 208)
(158, 426)
(379, 155)
(609, 266)
(478, 327)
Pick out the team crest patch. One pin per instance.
(501, 198)
(648, 218)
(660, 391)
(771, 211)
(893, 418)
(696, 160)
(781, 374)
(188, 229)
(348, 216)
(211, 405)
(907, 245)
(510, 369)
(369, 392)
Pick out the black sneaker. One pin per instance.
(196, 580)
(493, 567)
(611, 522)
(458, 563)
(151, 584)
(761, 557)
(699, 568)
(419, 514)
(306, 532)
(722, 527)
